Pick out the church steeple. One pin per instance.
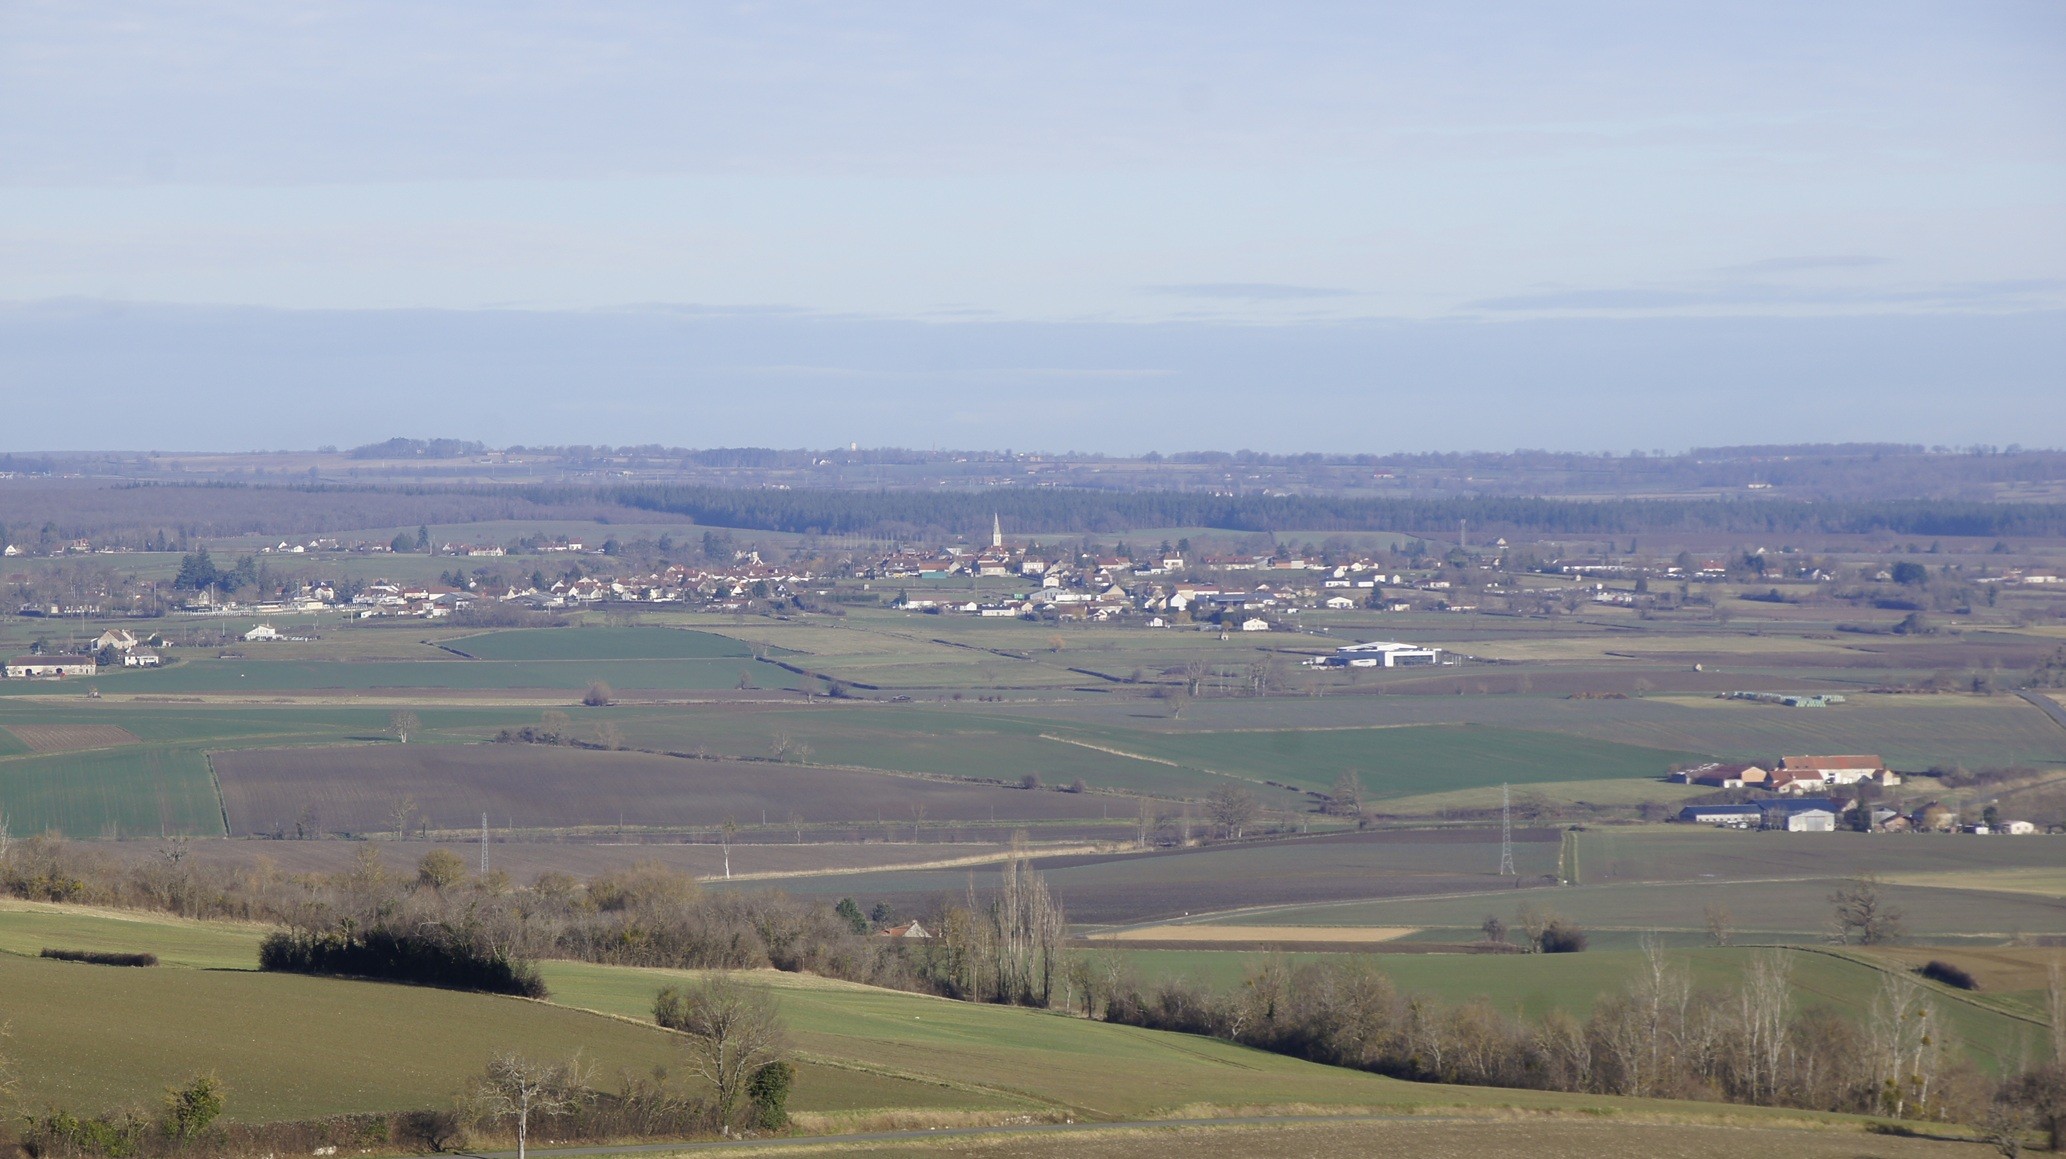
(996, 530)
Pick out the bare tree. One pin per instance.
(1720, 923)
(1906, 1044)
(598, 695)
(1765, 1010)
(1861, 911)
(1233, 809)
(519, 1087)
(402, 722)
(609, 736)
(403, 808)
(730, 1031)
(728, 830)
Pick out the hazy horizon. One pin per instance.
(1329, 227)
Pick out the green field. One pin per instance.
(289, 1046)
(1170, 758)
(134, 791)
(255, 674)
(595, 643)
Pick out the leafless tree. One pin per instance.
(1906, 1042)
(1233, 809)
(403, 808)
(1719, 923)
(730, 1030)
(402, 722)
(598, 695)
(1862, 912)
(519, 1087)
(1764, 1009)
(609, 736)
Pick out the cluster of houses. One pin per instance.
(117, 645)
(1803, 804)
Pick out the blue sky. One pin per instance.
(911, 222)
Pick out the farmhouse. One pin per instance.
(1255, 624)
(117, 638)
(51, 666)
(1833, 770)
(263, 632)
(141, 658)
(907, 930)
(1722, 776)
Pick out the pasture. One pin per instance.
(355, 789)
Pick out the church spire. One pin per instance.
(996, 530)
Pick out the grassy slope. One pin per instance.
(1999, 1029)
(293, 1046)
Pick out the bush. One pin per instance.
(424, 958)
(1561, 937)
(101, 957)
(769, 1093)
(1939, 970)
(598, 694)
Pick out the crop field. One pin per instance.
(60, 738)
(914, 739)
(1397, 762)
(135, 791)
(1102, 890)
(1168, 758)
(256, 675)
(757, 855)
(354, 789)
(594, 643)
(1911, 732)
(1681, 852)
(1782, 909)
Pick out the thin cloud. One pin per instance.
(1798, 264)
(1249, 291)
(2007, 293)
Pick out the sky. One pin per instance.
(1119, 227)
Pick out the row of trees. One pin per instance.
(1660, 1037)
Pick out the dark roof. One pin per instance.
(1757, 808)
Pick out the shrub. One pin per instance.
(1561, 937)
(430, 959)
(1939, 970)
(598, 694)
(769, 1092)
(101, 957)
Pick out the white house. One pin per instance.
(141, 658)
(1387, 654)
(1255, 624)
(118, 639)
(1340, 603)
(263, 632)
